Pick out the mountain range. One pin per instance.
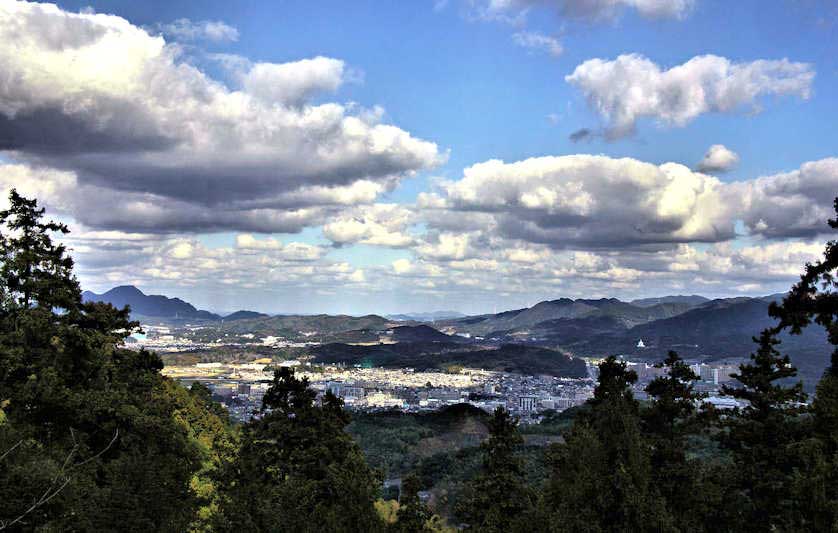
(696, 327)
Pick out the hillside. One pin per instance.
(315, 327)
(245, 315)
(716, 330)
(711, 330)
(421, 333)
(148, 305)
(507, 358)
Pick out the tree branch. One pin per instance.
(62, 477)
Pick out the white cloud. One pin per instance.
(592, 201)
(790, 204)
(184, 29)
(445, 247)
(402, 266)
(536, 41)
(293, 83)
(97, 96)
(379, 224)
(718, 158)
(632, 87)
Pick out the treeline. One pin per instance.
(94, 438)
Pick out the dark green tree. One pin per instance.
(763, 437)
(814, 299)
(601, 475)
(297, 469)
(34, 270)
(499, 499)
(89, 437)
(668, 422)
(413, 515)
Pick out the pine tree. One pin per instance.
(499, 499)
(814, 299)
(763, 437)
(34, 270)
(667, 423)
(601, 475)
(413, 515)
(89, 438)
(297, 469)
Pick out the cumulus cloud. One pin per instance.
(295, 251)
(790, 204)
(108, 258)
(593, 201)
(101, 98)
(184, 29)
(105, 208)
(631, 87)
(379, 224)
(447, 247)
(293, 83)
(590, 226)
(535, 41)
(719, 158)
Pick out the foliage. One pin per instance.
(602, 477)
(412, 515)
(498, 498)
(93, 438)
(297, 469)
(814, 300)
(669, 421)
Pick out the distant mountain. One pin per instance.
(564, 308)
(711, 330)
(693, 300)
(245, 315)
(427, 317)
(148, 305)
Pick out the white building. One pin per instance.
(527, 403)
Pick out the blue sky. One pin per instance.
(462, 83)
(453, 74)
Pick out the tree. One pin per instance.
(33, 269)
(413, 515)
(601, 475)
(90, 436)
(814, 299)
(763, 437)
(668, 422)
(499, 499)
(297, 469)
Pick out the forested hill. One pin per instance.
(433, 355)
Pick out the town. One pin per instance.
(241, 386)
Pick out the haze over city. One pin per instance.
(418, 156)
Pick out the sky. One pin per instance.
(386, 157)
